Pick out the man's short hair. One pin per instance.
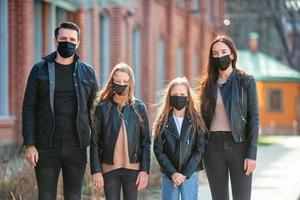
(68, 25)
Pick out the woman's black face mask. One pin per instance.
(222, 63)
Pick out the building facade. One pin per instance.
(160, 39)
(278, 88)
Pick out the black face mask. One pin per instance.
(119, 89)
(222, 63)
(66, 49)
(178, 102)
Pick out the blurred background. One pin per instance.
(160, 39)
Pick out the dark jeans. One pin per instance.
(125, 178)
(223, 158)
(65, 156)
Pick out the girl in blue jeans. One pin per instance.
(179, 141)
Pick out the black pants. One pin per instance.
(65, 156)
(223, 158)
(125, 178)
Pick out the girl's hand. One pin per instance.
(249, 166)
(142, 181)
(98, 180)
(178, 179)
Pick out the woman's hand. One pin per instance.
(249, 166)
(178, 179)
(142, 181)
(98, 180)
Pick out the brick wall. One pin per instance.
(155, 18)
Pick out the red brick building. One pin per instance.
(160, 39)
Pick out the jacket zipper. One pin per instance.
(243, 119)
(242, 95)
(77, 96)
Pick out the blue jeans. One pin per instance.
(188, 190)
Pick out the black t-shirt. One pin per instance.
(65, 102)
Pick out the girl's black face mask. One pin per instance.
(119, 89)
(222, 63)
(178, 102)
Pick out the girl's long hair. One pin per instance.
(106, 93)
(165, 108)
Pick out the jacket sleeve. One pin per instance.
(162, 158)
(92, 96)
(196, 156)
(29, 109)
(95, 148)
(252, 119)
(145, 143)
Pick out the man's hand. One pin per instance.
(31, 155)
(98, 180)
(142, 181)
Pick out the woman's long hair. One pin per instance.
(211, 76)
(165, 108)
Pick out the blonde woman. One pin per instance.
(120, 146)
(179, 142)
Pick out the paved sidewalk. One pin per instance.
(277, 176)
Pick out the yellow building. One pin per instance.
(278, 92)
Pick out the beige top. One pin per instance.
(121, 155)
(220, 121)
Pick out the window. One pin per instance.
(38, 50)
(104, 48)
(56, 17)
(274, 100)
(136, 59)
(89, 25)
(181, 3)
(208, 5)
(180, 61)
(4, 110)
(196, 65)
(61, 15)
(160, 63)
(195, 7)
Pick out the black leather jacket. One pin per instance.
(182, 153)
(38, 110)
(240, 100)
(106, 129)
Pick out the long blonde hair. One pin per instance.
(192, 108)
(107, 93)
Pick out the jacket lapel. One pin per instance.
(51, 72)
(171, 126)
(185, 124)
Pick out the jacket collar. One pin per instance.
(231, 77)
(171, 125)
